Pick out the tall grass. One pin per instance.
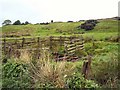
(105, 71)
(46, 73)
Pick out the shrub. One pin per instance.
(78, 81)
(105, 72)
(88, 25)
(26, 23)
(69, 21)
(14, 76)
(17, 22)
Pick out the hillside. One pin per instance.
(32, 59)
(109, 26)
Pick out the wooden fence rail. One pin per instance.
(24, 43)
(70, 44)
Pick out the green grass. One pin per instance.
(105, 28)
(55, 29)
(100, 35)
(104, 54)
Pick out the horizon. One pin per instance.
(38, 11)
(64, 21)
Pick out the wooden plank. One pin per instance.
(78, 43)
(71, 45)
(71, 54)
(71, 51)
(79, 46)
(82, 48)
(77, 40)
(34, 49)
(72, 48)
(69, 42)
(63, 58)
(30, 42)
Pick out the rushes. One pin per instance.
(45, 72)
(25, 56)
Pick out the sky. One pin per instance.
(37, 11)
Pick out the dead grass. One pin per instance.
(45, 71)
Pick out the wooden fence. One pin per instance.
(71, 45)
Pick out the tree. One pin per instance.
(17, 22)
(27, 23)
(22, 23)
(51, 21)
(7, 22)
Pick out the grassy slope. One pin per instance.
(53, 29)
(103, 51)
(103, 29)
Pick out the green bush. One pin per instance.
(14, 75)
(78, 81)
(105, 70)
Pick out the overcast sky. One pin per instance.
(36, 11)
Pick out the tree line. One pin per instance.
(9, 22)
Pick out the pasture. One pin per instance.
(43, 68)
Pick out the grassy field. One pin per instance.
(106, 28)
(104, 67)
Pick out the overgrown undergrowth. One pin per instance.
(45, 73)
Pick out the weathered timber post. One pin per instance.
(38, 41)
(75, 41)
(65, 51)
(60, 41)
(38, 53)
(4, 46)
(16, 43)
(9, 51)
(23, 41)
(86, 67)
(71, 39)
(50, 42)
(82, 40)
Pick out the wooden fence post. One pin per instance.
(23, 41)
(9, 51)
(38, 41)
(16, 43)
(38, 48)
(71, 39)
(86, 67)
(82, 40)
(65, 52)
(50, 42)
(60, 41)
(4, 46)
